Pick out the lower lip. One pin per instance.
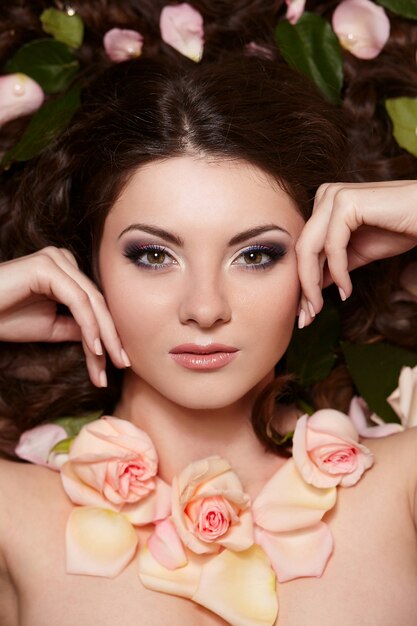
(212, 361)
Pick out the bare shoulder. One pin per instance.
(396, 463)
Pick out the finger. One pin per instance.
(105, 322)
(65, 328)
(95, 366)
(310, 246)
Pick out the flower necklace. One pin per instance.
(209, 542)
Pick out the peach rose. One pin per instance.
(326, 450)
(210, 509)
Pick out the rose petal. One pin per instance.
(182, 28)
(182, 581)
(295, 9)
(288, 503)
(99, 542)
(166, 547)
(240, 587)
(122, 44)
(35, 444)
(358, 410)
(362, 27)
(298, 553)
(19, 96)
(404, 399)
(81, 493)
(156, 506)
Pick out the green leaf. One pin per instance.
(47, 122)
(73, 425)
(311, 47)
(312, 350)
(63, 446)
(403, 114)
(48, 62)
(406, 8)
(63, 27)
(375, 369)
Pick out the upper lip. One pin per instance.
(193, 348)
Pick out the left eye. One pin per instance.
(260, 256)
(149, 257)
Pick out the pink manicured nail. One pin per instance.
(311, 309)
(125, 358)
(103, 379)
(301, 319)
(342, 294)
(98, 348)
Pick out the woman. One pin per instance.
(190, 240)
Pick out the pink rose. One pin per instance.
(326, 450)
(362, 27)
(35, 445)
(210, 509)
(122, 44)
(182, 28)
(19, 96)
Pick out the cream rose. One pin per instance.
(210, 509)
(404, 399)
(326, 450)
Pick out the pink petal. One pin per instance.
(99, 542)
(295, 9)
(358, 412)
(81, 493)
(298, 553)
(362, 27)
(156, 506)
(35, 444)
(122, 44)
(166, 547)
(182, 28)
(404, 399)
(288, 503)
(19, 96)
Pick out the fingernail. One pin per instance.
(301, 319)
(342, 294)
(103, 379)
(311, 309)
(125, 358)
(98, 348)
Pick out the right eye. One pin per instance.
(150, 257)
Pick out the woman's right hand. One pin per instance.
(31, 288)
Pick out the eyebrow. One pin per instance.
(178, 241)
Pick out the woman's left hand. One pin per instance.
(352, 224)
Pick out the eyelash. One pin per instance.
(134, 252)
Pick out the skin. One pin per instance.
(206, 296)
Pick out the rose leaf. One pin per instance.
(313, 350)
(403, 114)
(405, 8)
(68, 29)
(375, 369)
(47, 122)
(47, 61)
(73, 425)
(311, 47)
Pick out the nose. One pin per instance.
(205, 301)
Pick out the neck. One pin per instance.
(182, 435)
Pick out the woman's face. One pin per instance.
(198, 268)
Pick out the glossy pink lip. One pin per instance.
(212, 356)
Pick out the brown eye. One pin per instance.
(155, 257)
(253, 257)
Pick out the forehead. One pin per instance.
(195, 192)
